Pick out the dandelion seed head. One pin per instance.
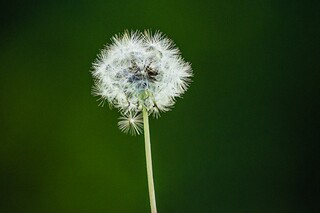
(141, 70)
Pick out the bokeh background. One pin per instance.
(242, 139)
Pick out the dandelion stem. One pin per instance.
(152, 194)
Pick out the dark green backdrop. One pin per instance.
(242, 139)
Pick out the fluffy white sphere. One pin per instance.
(140, 70)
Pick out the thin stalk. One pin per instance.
(152, 195)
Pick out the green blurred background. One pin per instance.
(242, 139)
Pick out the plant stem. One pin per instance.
(152, 194)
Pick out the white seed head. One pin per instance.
(140, 70)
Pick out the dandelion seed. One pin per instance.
(131, 123)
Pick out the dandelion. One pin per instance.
(140, 73)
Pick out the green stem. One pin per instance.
(152, 194)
